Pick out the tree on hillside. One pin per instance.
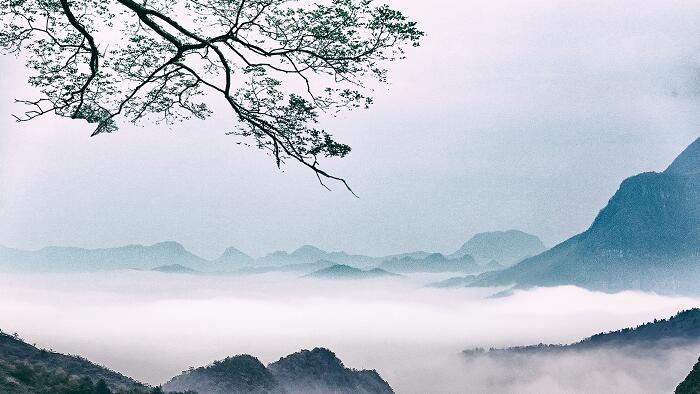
(691, 384)
(101, 388)
(276, 64)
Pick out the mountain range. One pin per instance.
(646, 238)
(69, 259)
(435, 262)
(25, 369)
(306, 258)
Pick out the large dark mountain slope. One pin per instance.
(26, 369)
(646, 238)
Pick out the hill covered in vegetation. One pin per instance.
(691, 384)
(678, 330)
(27, 369)
(316, 371)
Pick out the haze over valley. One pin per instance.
(162, 315)
(349, 197)
(151, 326)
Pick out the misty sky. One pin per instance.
(510, 115)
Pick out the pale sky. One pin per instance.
(510, 115)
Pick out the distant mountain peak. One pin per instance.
(171, 246)
(318, 356)
(342, 271)
(435, 257)
(233, 254)
(321, 371)
(239, 361)
(308, 251)
(308, 371)
(506, 247)
(232, 251)
(308, 248)
(343, 268)
(688, 162)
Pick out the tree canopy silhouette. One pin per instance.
(275, 63)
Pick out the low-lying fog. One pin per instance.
(151, 326)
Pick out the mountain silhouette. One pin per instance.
(691, 384)
(341, 271)
(27, 369)
(433, 263)
(319, 371)
(316, 371)
(646, 238)
(238, 374)
(306, 258)
(234, 257)
(504, 247)
(680, 330)
(67, 259)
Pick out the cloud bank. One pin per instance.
(152, 326)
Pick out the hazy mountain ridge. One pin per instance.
(306, 258)
(309, 254)
(234, 257)
(316, 371)
(346, 272)
(293, 268)
(69, 259)
(461, 281)
(175, 269)
(648, 340)
(435, 262)
(647, 238)
(504, 247)
(678, 330)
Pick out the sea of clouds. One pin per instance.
(152, 326)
